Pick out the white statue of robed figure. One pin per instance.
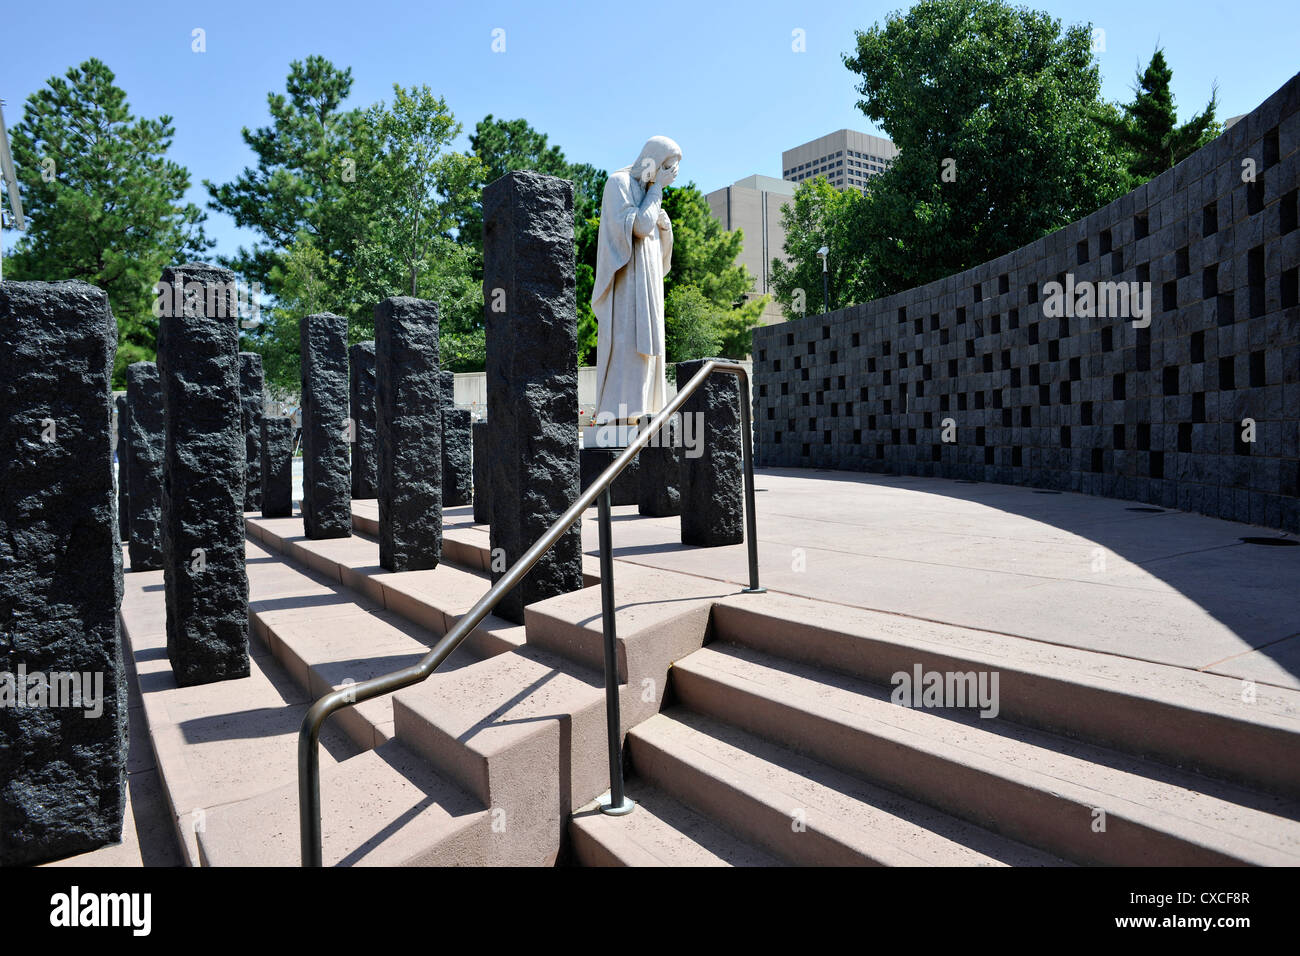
(634, 251)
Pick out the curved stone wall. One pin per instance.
(1011, 372)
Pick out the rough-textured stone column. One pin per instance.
(409, 417)
(457, 461)
(253, 406)
(326, 470)
(482, 491)
(713, 482)
(530, 309)
(205, 580)
(63, 750)
(365, 460)
(626, 489)
(147, 442)
(277, 467)
(123, 468)
(661, 473)
(457, 443)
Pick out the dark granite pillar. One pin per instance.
(457, 462)
(277, 467)
(203, 481)
(530, 310)
(365, 461)
(253, 405)
(409, 417)
(457, 467)
(626, 489)
(326, 471)
(147, 441)
(713, 481)
(123, 468)
(661, 473)
(63, 730)
(482, 495)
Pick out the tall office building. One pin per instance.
(753, 204)
(847, 158)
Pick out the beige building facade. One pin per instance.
(753, 205)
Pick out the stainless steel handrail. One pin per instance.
(309, 734)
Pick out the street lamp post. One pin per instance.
(822, 254)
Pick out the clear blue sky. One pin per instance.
(598, 78)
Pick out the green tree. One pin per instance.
(690, 325)
(820, 216)
(704, 257)
(308, 160)
(995, 111)
(1148, 131)
(105, 204)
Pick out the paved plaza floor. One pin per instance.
(1070, 569)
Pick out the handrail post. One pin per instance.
(309, 790)
(618, 803)
(751, 521)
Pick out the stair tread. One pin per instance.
(383, 807)
(1227, 817)
(861, 819)
(661, 831)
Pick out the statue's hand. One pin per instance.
(664, 222)
(665, 177)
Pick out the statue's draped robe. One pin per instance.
(628, 300)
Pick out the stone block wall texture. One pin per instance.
(409, 415)
(482, 498)
(1093, 405)
(123, 481)
(365, 460)
(457, 457)
(277, 467)
(147, 443)
(62, 768)
(713, 483)
(531, 317)
(204, 473)
(252, 407)
(326, 465)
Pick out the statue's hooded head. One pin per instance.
(659, 152)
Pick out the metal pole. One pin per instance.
(618, 803)
(309, 791)
(826, 289)
(751, 520)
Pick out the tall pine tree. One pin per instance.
(1148, 132)
(105, 204)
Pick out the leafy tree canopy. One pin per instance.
(104, 203)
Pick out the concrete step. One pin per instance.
(434, 599)
(660, 832)
(523, 733)
(464, 543)
(214, 744)
(1038, 788)
(1213, 724)
(801, 810)
(326, 636)
(383, 807)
